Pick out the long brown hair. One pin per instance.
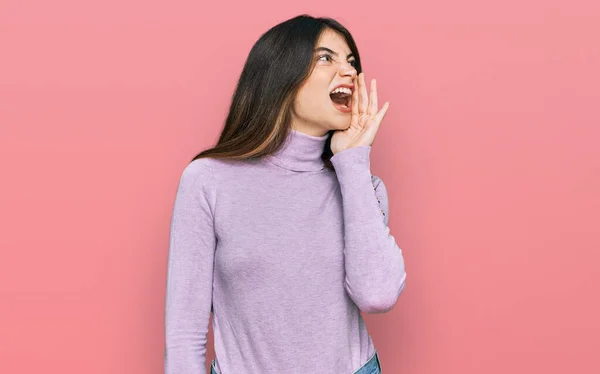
(259, 117)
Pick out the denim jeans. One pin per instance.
(373, 366)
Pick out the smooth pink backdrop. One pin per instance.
(490, 152)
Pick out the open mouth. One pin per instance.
(341, 97)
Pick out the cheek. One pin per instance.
(310, 98)
(318, 85)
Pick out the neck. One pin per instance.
(300, 152)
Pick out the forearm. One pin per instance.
(375, 272)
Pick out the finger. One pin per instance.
(381, 114)
(373, 98)
(363, 96)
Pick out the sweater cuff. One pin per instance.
(352, 159)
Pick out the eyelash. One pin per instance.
(353, 62)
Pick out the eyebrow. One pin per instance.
(332, 52)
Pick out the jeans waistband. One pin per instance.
(372, 366)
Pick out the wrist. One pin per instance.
(352, 159)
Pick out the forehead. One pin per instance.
(335, 41)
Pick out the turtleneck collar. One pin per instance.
(300, 152)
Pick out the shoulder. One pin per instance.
(198, 167)
(198, 178)
(198, 171)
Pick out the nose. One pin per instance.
(346, 69)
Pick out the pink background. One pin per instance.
(489, 151)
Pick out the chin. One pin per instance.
(339, 125)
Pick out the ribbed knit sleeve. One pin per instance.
(375, 272)
(190, 271)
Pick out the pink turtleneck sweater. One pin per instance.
(286, 253)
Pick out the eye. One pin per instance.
(327, 56)
(353, 63)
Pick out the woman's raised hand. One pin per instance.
(365, 120)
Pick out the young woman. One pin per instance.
(281, 230)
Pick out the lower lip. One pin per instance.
(341, 108)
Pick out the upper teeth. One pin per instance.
(342, 89)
